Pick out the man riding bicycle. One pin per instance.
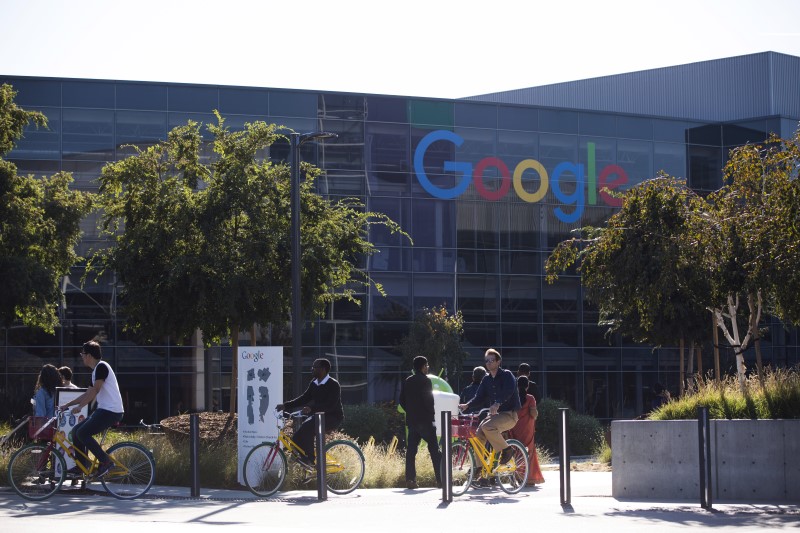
(109, 407)
(324, 395)
(499, 389)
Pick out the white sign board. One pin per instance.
(260, 390)
(66, 420)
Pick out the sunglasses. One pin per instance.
(489, 360)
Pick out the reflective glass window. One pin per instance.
(476, 115)
(705, 167)
(433, 260)
(431, 290)
(389, 334)
(523, 335)
(35, 92)
(388, 183)
(391, 259)
(556, 121)
(520, 299)
(634, 127)
(142, 96)
(387, 109)
(388, 147)
(87, 94)
(88, 134)
(554, 149)
(292, 104)
(85, 174)
(554, 229)
(517, 144)
(670, 130)
(347, 150)
(478, 298)
(517, 118)
(433, 222)
(522, 231)
(488, 219)
(521, 263)
(341, 106)
(243, 101)
(482, 335)
(342, 334)
(710, 134)
(745, 132)
(597, 124)
(560, 335)
(636, 158)
(396, 209)
(671, 158)
(201, 99)
(139, 128)
(40, 142)
(396, 305)
(560, 300)
(478, 261)
(37, 167)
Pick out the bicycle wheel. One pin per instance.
(512, 476)
(36, 471)
(133, 472)
(264, 469)
(462, 463)
(344, 466)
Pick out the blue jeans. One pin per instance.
(83, 433)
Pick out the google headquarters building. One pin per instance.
(486, 186)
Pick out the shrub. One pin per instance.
(365, 421)
(585, 432)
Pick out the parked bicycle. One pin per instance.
(265, 467)
(472, 461)
(38, 470)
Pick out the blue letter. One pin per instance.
(575, 198)
(419, 167)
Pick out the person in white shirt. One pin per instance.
(109, 406)
(66, 375)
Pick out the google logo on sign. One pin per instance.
(596, 183)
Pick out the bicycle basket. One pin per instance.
(35, 424)
(464, 426)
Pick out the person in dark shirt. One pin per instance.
(323, 395)
(416, 398)
(533, 389)
(499, 388)
(469, 391)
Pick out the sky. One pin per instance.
(433, 48)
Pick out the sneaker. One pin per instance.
(411, 484)
(74, 472)
(103, 469)
(506, 454)
(305, 462)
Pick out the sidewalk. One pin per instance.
(172, 510)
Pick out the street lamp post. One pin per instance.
(296, 141)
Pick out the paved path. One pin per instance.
(170, 510)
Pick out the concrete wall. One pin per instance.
(751, 460)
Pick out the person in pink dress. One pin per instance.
(525, 430)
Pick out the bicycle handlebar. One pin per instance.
(479, 413)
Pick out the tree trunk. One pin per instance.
(699, 351)
(234, 366)
(253, 335)
(759, 364)
(681, 371)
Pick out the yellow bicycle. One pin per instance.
(38, 470)
(265, 467)
(472, 461)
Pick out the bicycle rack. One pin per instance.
(319, 427)
(447, 461)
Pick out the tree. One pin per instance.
(436, 334)
(39, 228)
(644, 269)
(206, 244)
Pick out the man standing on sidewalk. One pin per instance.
(499, 388)
(416, 398)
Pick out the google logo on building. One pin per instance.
(610, 177)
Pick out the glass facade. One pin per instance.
(485, 190)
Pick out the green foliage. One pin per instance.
(39, 229)
(644, 270)
(585, 432)
(365, 421)
(206, 244)
(778, 398)
(436, 334)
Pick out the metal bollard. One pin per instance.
(319, 431)
(563, 463)
(704, 441)
(447, 462)
(194, 453)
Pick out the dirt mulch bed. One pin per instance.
(214, 427)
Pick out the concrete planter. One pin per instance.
(751, 460)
